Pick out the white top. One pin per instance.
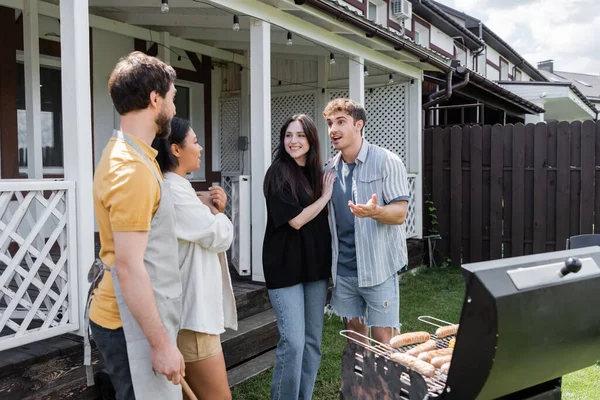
(208, 300)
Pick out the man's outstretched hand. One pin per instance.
(371, 209)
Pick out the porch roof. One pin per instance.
(568, 100)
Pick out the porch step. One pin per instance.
(251, 368)
(255, 335)
(250, 298)
(50, 369)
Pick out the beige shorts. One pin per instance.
(197, 346)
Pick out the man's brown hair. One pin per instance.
(348, 106)
(136, 76)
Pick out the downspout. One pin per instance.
(482, 48)
(445, 94)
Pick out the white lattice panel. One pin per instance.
(38, 281)
(284, 106)
(386, 117)
(231, 157)
(410, 224)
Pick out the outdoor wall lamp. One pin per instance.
(164, 8)
(331, 59)
(236, 23)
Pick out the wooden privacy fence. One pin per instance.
(504, 191)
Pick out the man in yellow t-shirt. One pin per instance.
(127, 195)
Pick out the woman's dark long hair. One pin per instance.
(165, 158)
(285, 171)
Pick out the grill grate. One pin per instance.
(435, 384)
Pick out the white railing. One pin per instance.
(38, 261)
(238, 211)
(414, 216)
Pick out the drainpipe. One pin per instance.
(482, 48)
(440, 95)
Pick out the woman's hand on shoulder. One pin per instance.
(207, 200)
(328, 180)
(218, 197)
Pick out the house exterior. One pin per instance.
(503, 65)
(583, 91)
(243, 67)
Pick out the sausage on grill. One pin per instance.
(446, 331)
(409, 338)
(429, 355)
(440, 360)
(414, 363)
(427, 346)
(445, 368)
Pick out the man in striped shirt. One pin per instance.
(366, 216)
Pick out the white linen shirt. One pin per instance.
(208, 304)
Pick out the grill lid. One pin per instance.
(524, 323)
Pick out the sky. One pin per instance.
(566, 31)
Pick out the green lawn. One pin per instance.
(437, 292)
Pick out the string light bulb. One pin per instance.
(289, 38)
(366, 71)
(391, 80)
(331, 59)
(236, 23)
(164, 8)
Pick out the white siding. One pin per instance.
(108, 47)
(441, 40)
(525, 77)
(492, 73)
(297, 70)
(493, 55)
(533, 92)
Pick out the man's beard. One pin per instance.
(164, 125)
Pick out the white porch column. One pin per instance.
(260, 134)
(77, 131)
(322, 100)
(31, 47)
(357, 79)
(163, 47)
(414, 155)
(245, 113)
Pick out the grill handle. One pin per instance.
(572, 265)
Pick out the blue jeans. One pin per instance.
(300, 313)
(113, 353)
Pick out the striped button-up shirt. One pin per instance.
(380, 248)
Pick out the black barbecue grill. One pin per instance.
(525, 322)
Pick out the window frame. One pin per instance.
(52, 63)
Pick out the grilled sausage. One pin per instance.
(446, 331)
(445, 368)
(427, 346)
(414, 363)
(429, 355)
(440, 360)
(409, 338)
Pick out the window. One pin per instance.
(182, 101)
(518, 75)
(372, 12)
(51, 119)
(421, 35)
(503, 70)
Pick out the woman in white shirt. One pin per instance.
(204, 234)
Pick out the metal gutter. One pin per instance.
(372, 31)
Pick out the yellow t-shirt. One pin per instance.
(126, 196)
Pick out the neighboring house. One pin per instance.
(483, 58)
(566, 96)
(505, 66)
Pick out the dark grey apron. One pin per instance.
(162, 264)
